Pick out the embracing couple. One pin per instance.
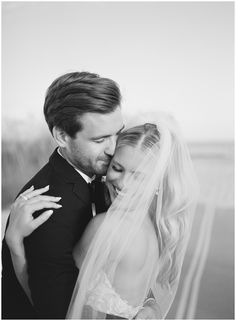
(80, 245)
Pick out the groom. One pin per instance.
(83, 113)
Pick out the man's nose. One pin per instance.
(111, 146)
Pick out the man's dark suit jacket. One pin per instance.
(51, 268)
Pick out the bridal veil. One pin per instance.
(162, 186)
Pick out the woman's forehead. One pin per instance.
(128, 156)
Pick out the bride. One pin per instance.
(134, 252)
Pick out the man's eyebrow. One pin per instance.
(105, 136)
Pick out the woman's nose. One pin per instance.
(121, 181)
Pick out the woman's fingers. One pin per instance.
(28, 190)
(44, 198)
(27, 208)
(23, 196)
(36, 192)
(41, 205)
(22, 223)
(32, 196)
(41, 219)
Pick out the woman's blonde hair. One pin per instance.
(172, 223)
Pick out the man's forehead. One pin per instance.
(97, 124)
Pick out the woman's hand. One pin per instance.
(22, 223)
(149, 311)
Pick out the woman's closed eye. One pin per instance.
(117, 169)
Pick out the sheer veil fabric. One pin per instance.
(162, 191)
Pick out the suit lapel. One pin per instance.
(82, 192)
(100, 200)
(70, 176)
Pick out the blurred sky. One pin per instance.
(172, 56)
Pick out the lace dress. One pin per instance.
(102, 297)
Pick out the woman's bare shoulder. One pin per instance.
(140, 248)
(97, 220)
(81, 247)
(93, 226)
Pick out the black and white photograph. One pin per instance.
(117, 160)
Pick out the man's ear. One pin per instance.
(60, 137)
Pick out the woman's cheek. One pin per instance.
(112, 176)
(110, 190)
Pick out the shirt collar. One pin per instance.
(85, 177)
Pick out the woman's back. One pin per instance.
(130, 276)
(132, 272)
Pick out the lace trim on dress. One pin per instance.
(102, 297)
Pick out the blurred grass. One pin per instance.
(20, 161)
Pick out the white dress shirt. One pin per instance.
(84, 176)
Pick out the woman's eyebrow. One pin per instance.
(119, 131)
(136, 172)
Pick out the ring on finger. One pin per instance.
(24, 197)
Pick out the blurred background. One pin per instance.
(172, 56)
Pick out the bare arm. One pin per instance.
(22, 224)
(82, 246)
(20, 265)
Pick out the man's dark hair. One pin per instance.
(76, 93)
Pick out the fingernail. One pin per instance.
(58, 197)
(46, 186)
(32, 187)
(58, 205)
(50, 211)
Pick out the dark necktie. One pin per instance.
(98, 195)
